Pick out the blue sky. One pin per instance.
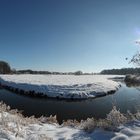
(69, 35)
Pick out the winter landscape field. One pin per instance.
(69, 69)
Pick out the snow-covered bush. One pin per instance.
(51, 119)
(72, 123)
(115, 118)
(89, 125)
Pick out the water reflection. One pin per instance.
(132, 84)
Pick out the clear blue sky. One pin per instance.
(68, 35)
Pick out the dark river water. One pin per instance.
(126, 98)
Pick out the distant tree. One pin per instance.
(4, 68)
(122, 71)
(78, 72)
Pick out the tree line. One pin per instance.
(28, 71)
(122, 71)
(6, 69)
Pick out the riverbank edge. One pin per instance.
(42, 95)
(113, 123)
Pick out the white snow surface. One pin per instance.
(11, 128)
(63, 86)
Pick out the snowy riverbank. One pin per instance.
(14, 126)
(61, 86)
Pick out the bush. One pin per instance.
(115, 118)
(89, 125)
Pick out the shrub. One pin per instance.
(115, 118)
(89, 125)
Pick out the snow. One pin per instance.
(63, 86)
(12, 127)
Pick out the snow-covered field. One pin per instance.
(63, 86)
(13, 126)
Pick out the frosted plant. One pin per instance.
(72, 123)
(89, 125)
(115, 118)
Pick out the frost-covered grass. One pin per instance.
(62, 86)
(14, 126)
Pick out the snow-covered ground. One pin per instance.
(63, 86)
(13, 126)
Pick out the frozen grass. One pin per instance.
(14, 126)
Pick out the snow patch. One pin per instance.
(12, 129)
(63, 86)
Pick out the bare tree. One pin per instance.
(136, 59)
